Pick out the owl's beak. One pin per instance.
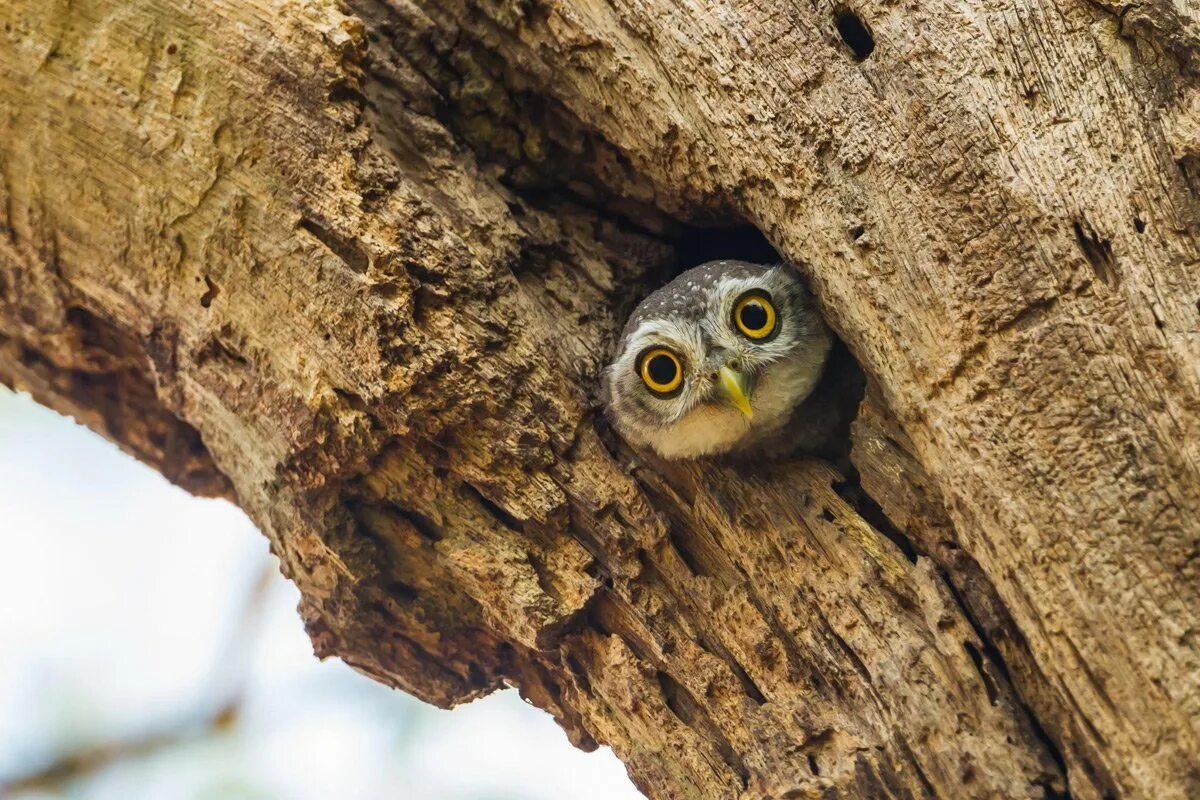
(733, 384)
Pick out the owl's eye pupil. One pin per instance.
(754, 316)
(662, 369)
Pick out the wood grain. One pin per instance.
(357, 267)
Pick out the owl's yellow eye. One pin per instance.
(754, 315)
(661, 370)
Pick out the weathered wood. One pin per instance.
(359, 267)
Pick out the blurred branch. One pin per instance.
(92, 758)
(227, 681)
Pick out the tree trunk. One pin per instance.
(358, 266)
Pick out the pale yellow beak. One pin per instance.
(734, 386)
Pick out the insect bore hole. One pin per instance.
(855, 34)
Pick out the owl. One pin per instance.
(717, 361)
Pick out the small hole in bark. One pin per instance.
(500, 514)
(1097, 250)
(352, 254)
(676, 697)
(476, 675)
(748, 685)
(857, 232)
(210, 293)
(172, 49)
(29, 357)
(423, 524)
(216, 348)
(855, 34)
(1184, 164)
(402, 591)
(684, 544)
(389, 290)
(352, 400)
(813, 767)
(580, 674)
(593, 615)
(346, 90)
(1139, 224)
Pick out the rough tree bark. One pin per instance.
(356, 266)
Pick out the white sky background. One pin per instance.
(119, 596)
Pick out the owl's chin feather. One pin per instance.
(705, 430)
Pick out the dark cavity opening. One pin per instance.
(855, 34)
(831, 407)
(696, 245)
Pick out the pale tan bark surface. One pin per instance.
(357, 267)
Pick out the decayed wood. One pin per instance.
(358, 267)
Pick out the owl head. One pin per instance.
(716, 361)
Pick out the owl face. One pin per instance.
(716, 361)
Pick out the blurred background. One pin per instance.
(150, 649)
